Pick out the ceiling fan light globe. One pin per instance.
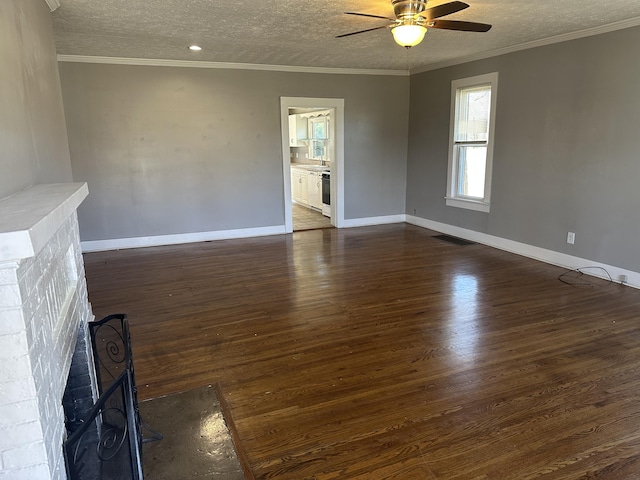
(408, 35)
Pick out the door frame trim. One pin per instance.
(337, 164)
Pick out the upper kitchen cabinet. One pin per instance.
(297, 131)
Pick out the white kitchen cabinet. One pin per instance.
(306, 187)
(297, 130)
(296, 188)
(314, 189)
(293, 136)
(299, 186)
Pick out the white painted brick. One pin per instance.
(10, 296)
(36, 472)
(32, 331)
(25, 456)
(8, 274)
(36, 364)
(38, 378)
(30, 307)
(44, 257)
(40, 375)
(11, 320)
(40, 290)
(17, 390)
(55, 437)
(46, 406)
(13, 345)
(49, 436)
(59, 473)
(17, 368)
(20, 435)
(41, 319)
(27, 280)
(53, 293)
(23, 267)
(18, 413)
(56, 377)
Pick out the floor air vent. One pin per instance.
(454, 240)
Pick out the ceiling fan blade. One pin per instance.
(442, 10)
(362, 31)
(459, 25)
(369, 15)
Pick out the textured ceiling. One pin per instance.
(301, 32)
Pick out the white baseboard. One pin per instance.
(537, 253)
(175, 239)
(158, 240)
(530, 251)
(367, 221)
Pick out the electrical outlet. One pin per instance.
(623, 279)
(571, 238)
(414, 211)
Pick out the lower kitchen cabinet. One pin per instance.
(314, 190)
(306, 187)
(299, 186)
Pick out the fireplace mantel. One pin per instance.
(28, 219)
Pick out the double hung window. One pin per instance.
(318, 135)
(473, 102)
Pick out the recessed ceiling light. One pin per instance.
(195, 48)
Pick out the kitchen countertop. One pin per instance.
(312, 168)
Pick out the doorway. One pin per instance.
(317, 149)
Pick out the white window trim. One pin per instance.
(452, 199)
(318, 118)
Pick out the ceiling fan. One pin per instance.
(413, 18)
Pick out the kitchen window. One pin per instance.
(473, 104)
(318, 136)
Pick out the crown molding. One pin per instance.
(53, 4)
(629, 23)
(565, 37)
(222, 65)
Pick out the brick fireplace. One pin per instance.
(44, 309)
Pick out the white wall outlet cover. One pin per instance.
(571, 237)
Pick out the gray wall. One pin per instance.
(169, 150)
(33, 135)
(566, 155)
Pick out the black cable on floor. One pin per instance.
(580, 271)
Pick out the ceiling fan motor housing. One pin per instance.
(406, 10)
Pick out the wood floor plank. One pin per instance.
(383, 352)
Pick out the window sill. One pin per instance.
(477, 205)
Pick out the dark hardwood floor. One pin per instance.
(384, 353)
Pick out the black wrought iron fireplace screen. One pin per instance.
(108, 444)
